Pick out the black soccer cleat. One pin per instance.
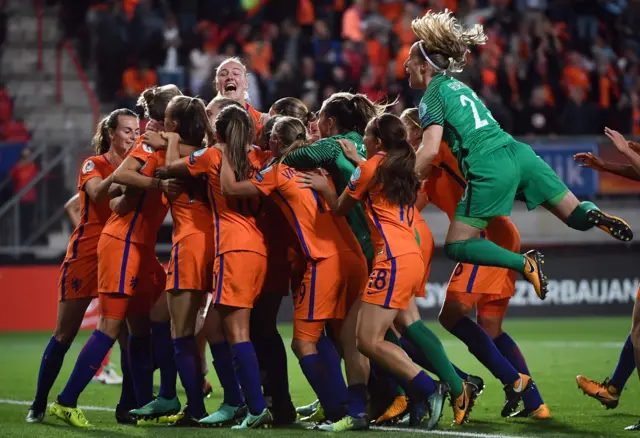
(613, 225)
(513, 395)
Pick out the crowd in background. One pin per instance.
(566, 67)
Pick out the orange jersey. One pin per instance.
(321, 235)
(234, 219)
(142, 224)
(445, 186)
(256, 116)
(84, 239)
(391, 225)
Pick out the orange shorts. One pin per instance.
(329, 286)
(78, 278)
(393, 282)
(119, 306)
(486, 305)
(191, 264)
(427, 247)
(238, 277)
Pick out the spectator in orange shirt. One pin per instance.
(352, 20)
(574, 75)
(134, 81)
(21, 174)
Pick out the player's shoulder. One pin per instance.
(95, 162)
(204, 152)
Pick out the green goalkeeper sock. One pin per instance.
(578, 217)
(484, 252)
(423, 338)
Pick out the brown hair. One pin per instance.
(191, 117)
(267, 127)
(155, 100)
(292, 133)
(234, 126)
(396, 172)
(292, 107)
(352, 111)
(413, 115)
(101, 142)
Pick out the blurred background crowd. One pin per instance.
(566, 67)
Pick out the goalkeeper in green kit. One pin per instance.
(498, 169)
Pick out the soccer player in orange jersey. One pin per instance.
(336, 268)
(190, 268)
(487, 288)
(128, 280)
(239, 268)
(387, 185)
(609, 391)
(79, 276)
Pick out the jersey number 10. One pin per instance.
(480, 123)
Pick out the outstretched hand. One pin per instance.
(618, 140)
(589, 160)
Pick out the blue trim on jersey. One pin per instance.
(318, 202)
(220, 277)
(392, 283)
(402, 213)
(474, 270)
(312, 291)
(127, 245)
(376, 221)
(303, 243)
(453, 175)
(176, 270)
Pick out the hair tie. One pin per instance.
(435, 67)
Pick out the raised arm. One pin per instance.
(128, 174)
(431, 139)
(231, 187)
(589, 160)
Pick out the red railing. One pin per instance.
(91, 95)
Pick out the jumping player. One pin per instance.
(489, 289)
(609, 391)
(498, 168)
(77, 285)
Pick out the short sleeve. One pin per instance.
(360, 179)
(267, 180)
(431, 108)
(198, 162)
(89, 170)
(149, 167)
(141, 151)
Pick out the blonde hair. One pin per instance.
(445, 40)
(244, 69)
(412, 115)
(292, 133)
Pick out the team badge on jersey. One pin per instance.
(260, 176)
(424, 115)
(147, 148)
(355, 176)
(88, 166)
(199, 152)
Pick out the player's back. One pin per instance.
(391, 225)
(321, 234)
(445, 185)
(93, 216)
(142, 224)
(469, 128)
(234, 219)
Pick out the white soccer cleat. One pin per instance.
(108, 376)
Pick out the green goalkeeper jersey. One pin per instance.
(469, 128)
(327, 154)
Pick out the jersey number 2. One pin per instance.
(480, 123)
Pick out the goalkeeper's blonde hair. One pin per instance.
(445, 40)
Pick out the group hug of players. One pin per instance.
(326, 206)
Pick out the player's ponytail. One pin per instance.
(101, 142)
(444, 42)
(193, 124)
(396, 172)
(235, 127)
(155, 100)
(352, 111)
(292, 133)
(267, 128)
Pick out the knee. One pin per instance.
(303, 348)
(490, 325)
(449, 317)
(110, 327)
(65, 336)
(452, 250)
(365, 344)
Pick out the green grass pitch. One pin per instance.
(556, 350)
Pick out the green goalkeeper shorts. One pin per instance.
(496, 179)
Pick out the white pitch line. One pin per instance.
(5, 401)
(447, 432)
